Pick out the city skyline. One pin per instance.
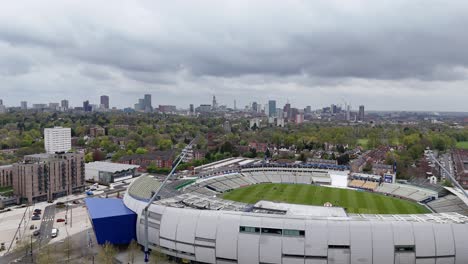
(320, 52)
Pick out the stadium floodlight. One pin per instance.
(449, 174)
(176, 163)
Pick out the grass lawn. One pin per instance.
(462, 144)
(363, 142)
(353, 201)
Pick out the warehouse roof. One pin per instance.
(109, 166)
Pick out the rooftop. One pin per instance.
(109, 207)
(109, 166)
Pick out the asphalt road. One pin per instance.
(48, 218)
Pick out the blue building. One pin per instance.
(112, 221)
(272, 108)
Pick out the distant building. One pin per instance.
(65, 105)
(272, 108)
(87, 107)
(348, 112)
(144, 104)
(215, 104)
(2, 107)
(287, 111)
(255, 107)
(227, 126)
(255, 122)
(204, 108)
(24, 105)
(308, 109)
(361, 113)
(39, 106)
(105, 101)
(299, 118)
(161, 159)
(97, 131)
(57, 139)
(191, 109)
(167, 108)
(54, 106)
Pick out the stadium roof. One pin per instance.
(306, 210)
(106, 207)
(109, 166)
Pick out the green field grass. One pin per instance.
(462, 144)
(363, 142)
(353, 201)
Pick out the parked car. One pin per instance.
(37, 211)
(32, 227)
(36, 217)
(60, 220)
(36, 233)
(76, 202)
(54, 232)
(89, 193)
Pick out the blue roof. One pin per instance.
(106, 207)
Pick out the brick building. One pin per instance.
(162, 159)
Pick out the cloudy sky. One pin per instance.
(387, 55)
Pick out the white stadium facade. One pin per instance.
(192, 223)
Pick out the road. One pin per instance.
(48, 218)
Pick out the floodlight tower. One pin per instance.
(176, 163)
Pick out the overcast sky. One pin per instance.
(387, 55)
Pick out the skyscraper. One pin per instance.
(148, 107)
(105, 101)
(361, 113)
(192, 109)
(64, 104)
(86, 106)
(57, 139)
(272, 108)
(348, 112)
(214, 105)
(255, 107)
(24, 105)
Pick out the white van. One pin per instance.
(54, 232)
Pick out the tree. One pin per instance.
(141, 151)
(107, 253)
(89, 157)
(132, 249)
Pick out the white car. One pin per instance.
(54, 232)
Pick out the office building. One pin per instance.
(24, 105)
(192, 109)
(57, 139)
(148, 104)
(167, 108)
(255, 107)
(286, 111)
(105, 101)
(54, 106)
(87, 106)
(215, 104)
(46, 177)
(272, 108)
(348, 112)
(361, 114)
(64, 104)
